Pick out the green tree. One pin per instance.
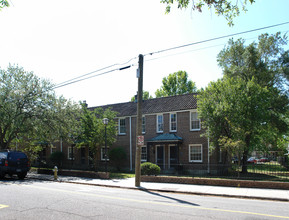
(3, 3)
(176, 84)
(31, 113)
(146, 96)
(57, 158)
(117, 156)
(227, 8)
(248, 108)
(93, 129)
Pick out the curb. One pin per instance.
(167, 191)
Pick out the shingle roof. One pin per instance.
(157, 105)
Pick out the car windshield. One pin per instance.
(3, 155)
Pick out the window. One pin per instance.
(160, 123)
(173, 122)
(70, 153)
(143, 125)
(53, 149)
(144, 153)
(121, 126)
(102, 153)
(195, 153)
(195, 122)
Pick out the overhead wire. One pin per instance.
(89, 77)
(216, 38)
(78, 79)
(81, 78)
(203, 48)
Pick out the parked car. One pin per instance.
(263, 160)
(252, 160)
(14, 162)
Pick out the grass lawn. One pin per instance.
(121, 175)
(264, 171)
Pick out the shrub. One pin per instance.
(117, 156)
(148, 168)
(57, 158)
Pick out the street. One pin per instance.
(33, 199)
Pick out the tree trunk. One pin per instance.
(245, 154)
(95, 161)
(244, 162)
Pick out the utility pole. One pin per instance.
(139, 137)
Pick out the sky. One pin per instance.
(62, 40)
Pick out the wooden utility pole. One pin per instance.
(139, 138)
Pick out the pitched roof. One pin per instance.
(157, 105)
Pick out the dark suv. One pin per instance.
(14, 162)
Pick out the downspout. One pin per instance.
(130, 144)
(208, 151)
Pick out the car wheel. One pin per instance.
(22, 175)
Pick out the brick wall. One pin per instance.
(217, 182)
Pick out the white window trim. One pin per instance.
(173, 113)
(68, 156)
(52, 147)
(119, 126)
(143, 118)
(101, 153)
(195, 161)
(191, 121)
(158, 123)
(142, 160)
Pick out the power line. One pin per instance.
(80, 78)
(193, 50)
(216, 38)
(73, 80)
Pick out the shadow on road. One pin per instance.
(172, 198)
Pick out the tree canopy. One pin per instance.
(93, 129)
(30, 111)
(146, 95)
(248, 108)
(176, 84)
(227, 8)
(4, 3)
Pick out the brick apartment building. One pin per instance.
(172, 133)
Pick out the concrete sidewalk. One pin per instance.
(250, 193)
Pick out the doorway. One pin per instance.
(173, 156)
(160, 156)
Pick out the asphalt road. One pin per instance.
(32, 199)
